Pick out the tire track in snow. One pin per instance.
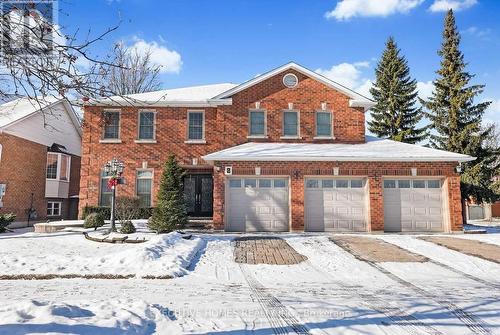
(452, 269)
(470, 320)
(406, 323)
(280, 318)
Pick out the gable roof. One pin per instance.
(17, 110)
(357, 100)
(373, 150)
(189, 96)
(220, 94)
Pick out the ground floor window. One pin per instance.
(53, 208)
(105, 191)
(144, 187)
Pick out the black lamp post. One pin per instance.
(113, 168)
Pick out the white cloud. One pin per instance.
(349, 75)
(445, 5)
(346, 9)
(492, 114)
(169, 60)
(477, 32)
(425, 89)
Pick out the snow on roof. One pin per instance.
(17, 109)
(193, 94)
(374, 149)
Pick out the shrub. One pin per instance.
(93, 220)
(5, 220)
(142, 213)
(127, 208)
(170, 212)
(127, 227)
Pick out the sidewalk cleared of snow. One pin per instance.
(70, 253)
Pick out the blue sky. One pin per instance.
(202, 42)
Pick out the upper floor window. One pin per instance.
(144, 187)
(196, 125)
(147, 125)
(323, 124)
(257, 121)
(290, 123)
(58, 166)
(111, 125)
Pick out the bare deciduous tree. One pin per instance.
(132, 71)
(38, 60)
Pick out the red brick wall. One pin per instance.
(375, 171)
(225, 126)
(307, 97)
(22, 168)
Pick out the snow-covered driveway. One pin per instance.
(330, 293)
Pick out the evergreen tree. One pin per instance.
(170, 211)
(456, 118)
(395, 116)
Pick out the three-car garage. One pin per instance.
(333, 204)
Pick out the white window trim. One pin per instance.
(283, 136)
(152, 182)
(323, 137)
(52, 209)
(195, 141)
(58, 169)
(146, 140)
(112, 140)
(250, 111)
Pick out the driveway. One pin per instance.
(329, 291)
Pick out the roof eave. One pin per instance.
(366, 104)
(147, 103)
(207, 158)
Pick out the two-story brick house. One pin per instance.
(284, 151)
(40, 148)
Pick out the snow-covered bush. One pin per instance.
(127, 227)
(5, 220)
(93, 220)
(170, 211)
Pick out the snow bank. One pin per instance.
(71, 253)
(117, 317)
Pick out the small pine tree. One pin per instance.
(395, 116)
(170, 211)
(456, 119)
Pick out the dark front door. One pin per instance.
(198, 190)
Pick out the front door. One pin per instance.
(198, 190)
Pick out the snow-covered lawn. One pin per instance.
(69, 253)
(330, 293)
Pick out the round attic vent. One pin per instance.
(290, 80)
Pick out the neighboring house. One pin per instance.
(284, 151)
(40, 149)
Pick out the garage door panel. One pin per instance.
(333, 205)
(420, 207)
(259, 206)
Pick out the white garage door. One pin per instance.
(335, 204)
(413, 205)
(257, 204)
